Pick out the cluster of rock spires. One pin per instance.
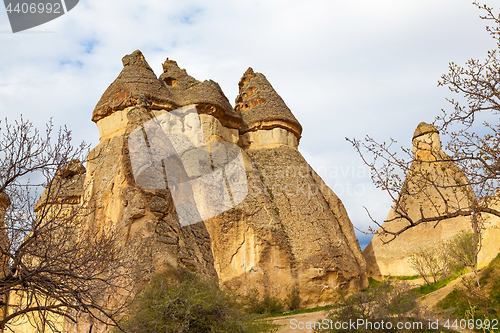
(280, 236)
(290, 230)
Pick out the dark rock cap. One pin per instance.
(174, 89)
(135, 79)
(261, 107)
(207, 95)
(424, 128)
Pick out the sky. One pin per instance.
(346, 68)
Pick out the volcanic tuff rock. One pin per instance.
(261, 107)
(289, 231)
(136, 79)
(449, 190)
(490, 235)
(66, 187)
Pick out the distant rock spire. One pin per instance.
(433, 187)
(427, 144)
(261, 107)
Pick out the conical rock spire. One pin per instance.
(136, 78)
(261, 107)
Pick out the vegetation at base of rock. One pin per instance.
(463, 249)
(402, 278)
(429, 288)
(270, 305)
(293, 299)
(450, 257)
(484, 301)
(266, 304)
(431, 262)
(178, 301)
(294, 312)
(389, 301)
(373, 283)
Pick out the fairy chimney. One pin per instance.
(433, 185)
(426, 143)
(267, 121)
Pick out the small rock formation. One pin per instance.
(65, 188)
(449, 190)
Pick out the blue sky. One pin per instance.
(345, 68)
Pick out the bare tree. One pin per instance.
(464, 181)
(55, 265)
(430, 262)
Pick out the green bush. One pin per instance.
(293, 299)
(429, 288)
(262, 305)
(386, 302)
(268, 304)
(178, 301)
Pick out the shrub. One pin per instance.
(464, 248)
(266, 305)
(177, 301)
(293, 299)
(388, 302)
(430, 263)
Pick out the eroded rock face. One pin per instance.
(490, 235)
(146, 216)
(291, 230)
(136, 79)
(66, 187)
(207, 95)
(421, 199)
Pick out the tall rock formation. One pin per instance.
(288, 230)
(145, 215)
(291, 229)
(222, 192)
(433, 185)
